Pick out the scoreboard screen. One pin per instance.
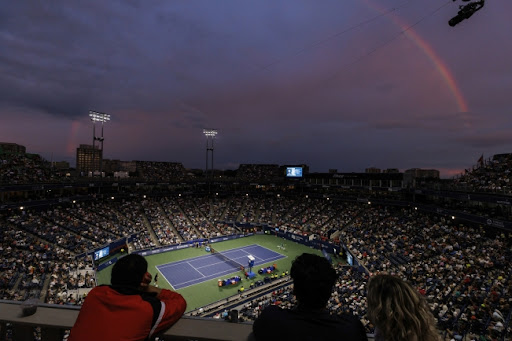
(101, 253)
(294, 172)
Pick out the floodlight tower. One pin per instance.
(98, 117)
(210, 135)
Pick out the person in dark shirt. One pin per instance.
(313, 280)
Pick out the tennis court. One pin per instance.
(196, 270)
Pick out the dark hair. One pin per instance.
(313, 279)
(129, 271)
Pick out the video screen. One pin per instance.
(294, 172)
(101, 253)
(350, 260)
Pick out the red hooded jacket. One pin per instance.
(110, 313)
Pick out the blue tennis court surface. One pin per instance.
(192, 271)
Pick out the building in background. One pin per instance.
(128, 166)
(12, 148)
(61, 165)
(391, 171)
(416, 176)
(88, 159)
(111, 166)
(372, 170)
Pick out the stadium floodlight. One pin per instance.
(98, 116)
(210, 132)
(210, 135)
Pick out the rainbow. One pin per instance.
(71, 145)
(427, 49)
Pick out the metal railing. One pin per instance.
(54, 320)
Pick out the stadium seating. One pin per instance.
(465, 271)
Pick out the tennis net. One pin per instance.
(227, 259)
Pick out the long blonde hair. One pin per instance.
(398, 311)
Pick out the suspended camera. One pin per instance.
(466, 11)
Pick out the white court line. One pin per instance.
(265, 260)
(225, 272)
(165, 278)
(252, 247)
(275, 258)
(252, 255)
(203, 256)
(193, 267)
(218, 274)
(212, 264)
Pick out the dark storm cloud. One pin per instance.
(190, 117)
(41, 65)
(496, 139)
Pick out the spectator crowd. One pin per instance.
(491, 175)
(465, 272)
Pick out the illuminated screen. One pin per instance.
(294, 172)
(101, 253)
(350, 260)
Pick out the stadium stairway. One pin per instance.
(17, 284)
(206, 218)
(192, 225)
(241, 210)
(150, 229)
(169, 223)
(44, 290)
(225, 210)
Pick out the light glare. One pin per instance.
(210, 132)
(98, 116)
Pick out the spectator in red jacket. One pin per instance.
(130, 308)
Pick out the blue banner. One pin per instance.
(106, 264)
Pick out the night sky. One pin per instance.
(333, 84)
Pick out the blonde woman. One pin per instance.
(398, 311)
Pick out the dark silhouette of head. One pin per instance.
(313, 279)
(129, 271)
